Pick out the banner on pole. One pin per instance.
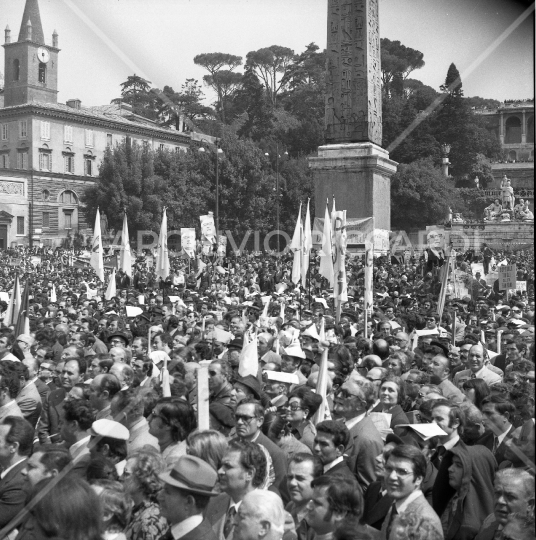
(188, 241)
(507, 277)
(208, 229)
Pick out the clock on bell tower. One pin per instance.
(31, 66)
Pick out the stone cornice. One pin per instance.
(88, 120)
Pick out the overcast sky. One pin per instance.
(105, 41)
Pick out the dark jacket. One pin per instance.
(14, 492)
(376, 505)
(487, 441)
(48, 427)
(202, 532)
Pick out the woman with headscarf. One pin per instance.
(472, 473)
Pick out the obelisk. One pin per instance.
(352, 165)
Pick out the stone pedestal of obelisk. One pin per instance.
(353, 166)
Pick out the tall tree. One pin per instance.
(136, 91)
(221, 77)
(271, 66)
(397, 62)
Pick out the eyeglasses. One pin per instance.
(293, 407)
(244, 418)
(401, 473)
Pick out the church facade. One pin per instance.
(49, 151)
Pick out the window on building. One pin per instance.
(45, 194)
(161, 146)
(20, 225)
(89, 137)
(23, 129)
(46, 220)
(42, 72)
(16, 70)
(68, 134)
(68, 219)
(45, 130)
(22, 160)
(89, 167)
(5, 132)
(69, 164)
(109, 139)
(44, 161)
(4, 161)
(68, 197)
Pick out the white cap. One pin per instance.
(110, 429)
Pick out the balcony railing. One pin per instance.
(518, 193)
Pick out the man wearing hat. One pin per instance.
(109, 439)
(188, 488)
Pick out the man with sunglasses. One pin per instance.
(350, 405)
(249, 418)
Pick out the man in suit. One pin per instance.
(249, 420)
(9, 388)
(365, 443)
(33, 367)
(101, 392)
(451, 419)
(16, 442)
(78, 417)
(331, 441)
(46, 462)
(28, 399)
(302, 470)
(261, 517)
(188, 488)
(48, 428)
(440, 368)
(334, 501)
(477, 368)
(127, 408)
(497, 413)
(243, 470)
(404, 473)
(514, 493)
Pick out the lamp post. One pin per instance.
(445, 151)
(277, 191)
(217, 212)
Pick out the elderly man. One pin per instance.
(514, 494)
(440, 369)
(188, 488)
(101, 392)
(477, 369)
(124, 374)
(221, 390)
(351, 404)
(260, 517)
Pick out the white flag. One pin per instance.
(162, 254)
(53, 295)
(369, 270)
(249, 358)
(326, 258)
(125, 258)
(96, 260)
(111, 290)
(296, 247)
(307, 246)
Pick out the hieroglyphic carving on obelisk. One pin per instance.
(353, 77)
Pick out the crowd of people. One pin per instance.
(423, 429)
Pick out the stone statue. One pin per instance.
(457, 218)
(525, 214)
(507, 194)
(493, 211)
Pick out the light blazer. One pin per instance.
(421, 508)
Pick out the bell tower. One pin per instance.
(31, 66)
